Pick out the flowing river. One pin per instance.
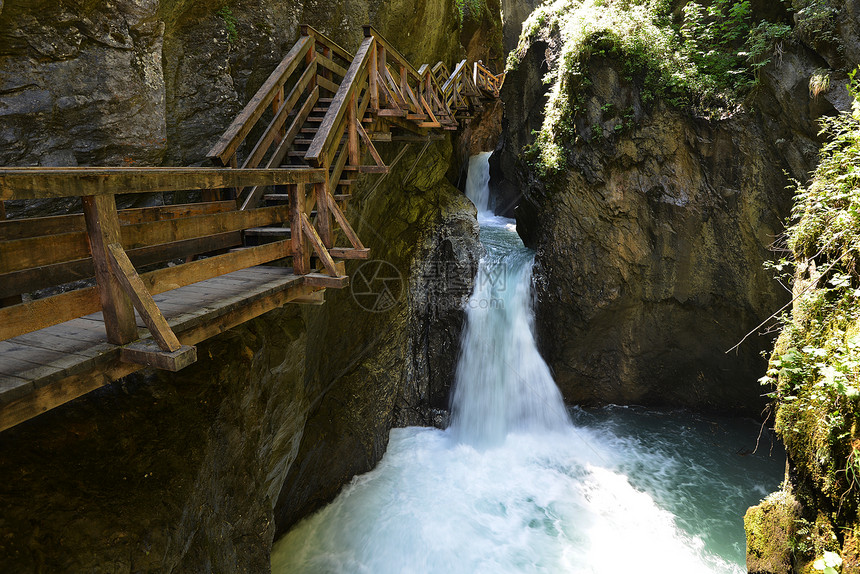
(518, 483)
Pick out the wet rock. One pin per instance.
(650, 247)
(387, 362)
(771, 529)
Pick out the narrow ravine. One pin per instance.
(518, 483)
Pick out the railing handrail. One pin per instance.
(324, 40)
(370, 31)
(331, 121)
(39, 183)
(233, 137)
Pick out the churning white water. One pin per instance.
(514, 486)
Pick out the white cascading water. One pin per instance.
(512, 486)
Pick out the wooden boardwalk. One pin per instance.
(157, 280)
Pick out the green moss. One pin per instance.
(815, 367)
(770, 531)
(705, 61)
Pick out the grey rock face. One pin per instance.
(190, 472)
(650, 249)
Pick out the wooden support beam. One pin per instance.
(316, 298)
(127, 276)
(301, 254)
(324, 214)
(370, 147)
(342, 221)
(147, 353)
(320, 248)
(102, 230)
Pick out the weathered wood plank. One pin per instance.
(50, 250)
(33, 279)
(158, 232)
(34, 226)
(33, 183)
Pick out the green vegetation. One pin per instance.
(815, 367)
(229, 23)
(707, 59)
(467, 9)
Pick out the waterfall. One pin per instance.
(514, 486)
(502, 383)
(478, 180)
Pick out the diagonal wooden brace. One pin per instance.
(172, 355)
(317, 243)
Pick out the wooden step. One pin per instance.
(320, 110)
(342, 196)
(314, 119)
(367, 168)
(346, 182)
(285, 197)
(325, 100)
(268, 231)
(349, 253)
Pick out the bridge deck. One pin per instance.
(45, 368)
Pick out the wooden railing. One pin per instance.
(320, 96)
(486, 80)
(107, 245)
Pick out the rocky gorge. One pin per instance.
(651, 210)
(197, 471)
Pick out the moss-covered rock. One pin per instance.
(770, 529)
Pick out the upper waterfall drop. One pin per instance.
(502, 383)
(478, 180)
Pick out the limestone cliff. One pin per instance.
(191, 472)
(650, 242)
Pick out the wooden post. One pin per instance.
(309, 58)
(403, 91)
(102, 230)
(352, 120)
(324, 212)
(2, 210)
(301, 252)
(380, 61)
(277, 102)
(372, 78)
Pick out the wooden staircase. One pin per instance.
(140, 287)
